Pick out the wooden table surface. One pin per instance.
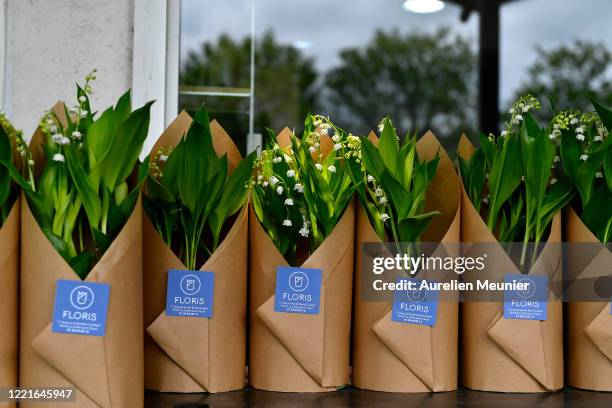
(352, 397)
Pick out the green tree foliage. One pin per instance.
(425, 81)
(567, 73)
(285, 83)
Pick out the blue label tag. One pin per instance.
(415, 305)
(528, 302)
(190, 293)
(298, 290)
(80, 307)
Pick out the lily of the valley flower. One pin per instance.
(58, 157)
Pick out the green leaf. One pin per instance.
(607, 165)
(100, 136)
(91, 200)
(41, 208)
(407, 160)
(505, 177)
(57, 242)
(372, 159)
(581, 173)
(126, 147)
(598, 212)
(473, 176)
(173, 169)
(123, 108)
(103, 241)
(213, 190)
(537, 153)
(81, 264)
(233, 197)
(488, 149)
(604, 113)
(388, 146)
(127, 206)
(396, 192)
(411, 228)
(559, 195)
(199, 162)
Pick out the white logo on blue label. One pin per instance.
(82, 297)
(415, 305)
(80, 307)
(298, 290)
(190, 293)
(530, 301)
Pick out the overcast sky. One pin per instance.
(326, 26)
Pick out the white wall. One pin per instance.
(51, 44)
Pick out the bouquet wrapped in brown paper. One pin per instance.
(302, 215)
(589, 324)
(81, 259)
(395, 356)
(185, 353)
(11, 141)
(586, 157)
(500, 352)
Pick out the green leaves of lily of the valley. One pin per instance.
(190, 201)
(504, 175)
(586, 156)
(83, 196)
(537, 157)
(522, 195)
(394, 199)
(301, 191)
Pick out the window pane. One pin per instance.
(356, 61)
(557, 51)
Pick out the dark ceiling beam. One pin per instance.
(488, 67)
(488, 58)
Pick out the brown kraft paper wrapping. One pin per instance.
(293, 352)
(508, 355)
(398, 357)
(192, 354)
(9, 299)
(106, 371)
(589, 324)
